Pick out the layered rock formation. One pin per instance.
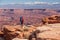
(51, 19)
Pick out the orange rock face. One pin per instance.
(11, 32)
(51, 19)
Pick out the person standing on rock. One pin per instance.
(21, 20)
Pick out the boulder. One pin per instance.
(11, 29)
(10, 33)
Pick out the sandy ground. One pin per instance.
(50, 31)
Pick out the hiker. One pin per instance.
(21, 20)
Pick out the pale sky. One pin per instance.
(2, 2)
